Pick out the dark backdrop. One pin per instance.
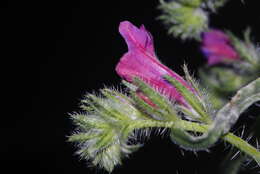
(58, 50)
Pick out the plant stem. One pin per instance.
(243, 146)
(196, 127)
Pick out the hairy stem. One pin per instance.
(196, 127)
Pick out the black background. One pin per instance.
(55, 51)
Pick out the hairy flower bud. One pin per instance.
(217, 48)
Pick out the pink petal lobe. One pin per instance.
(137, 39)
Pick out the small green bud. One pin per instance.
(184, 19)
(103, 130)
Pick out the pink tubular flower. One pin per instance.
(140, 61)
(217, 48)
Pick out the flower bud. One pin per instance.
(217, 47)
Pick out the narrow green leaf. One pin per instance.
(81, 137)
(190, 80)
(146, 108)
(246, 49)
(191, 98)
(161, 102)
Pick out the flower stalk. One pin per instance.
(157, 97)
(230, 138)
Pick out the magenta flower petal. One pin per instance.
(217, 48)
(141, 61)
(137, 38)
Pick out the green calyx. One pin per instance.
(249, 53)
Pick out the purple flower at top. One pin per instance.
(217, 48)
(140, 61)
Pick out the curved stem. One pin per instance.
(196, 127)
